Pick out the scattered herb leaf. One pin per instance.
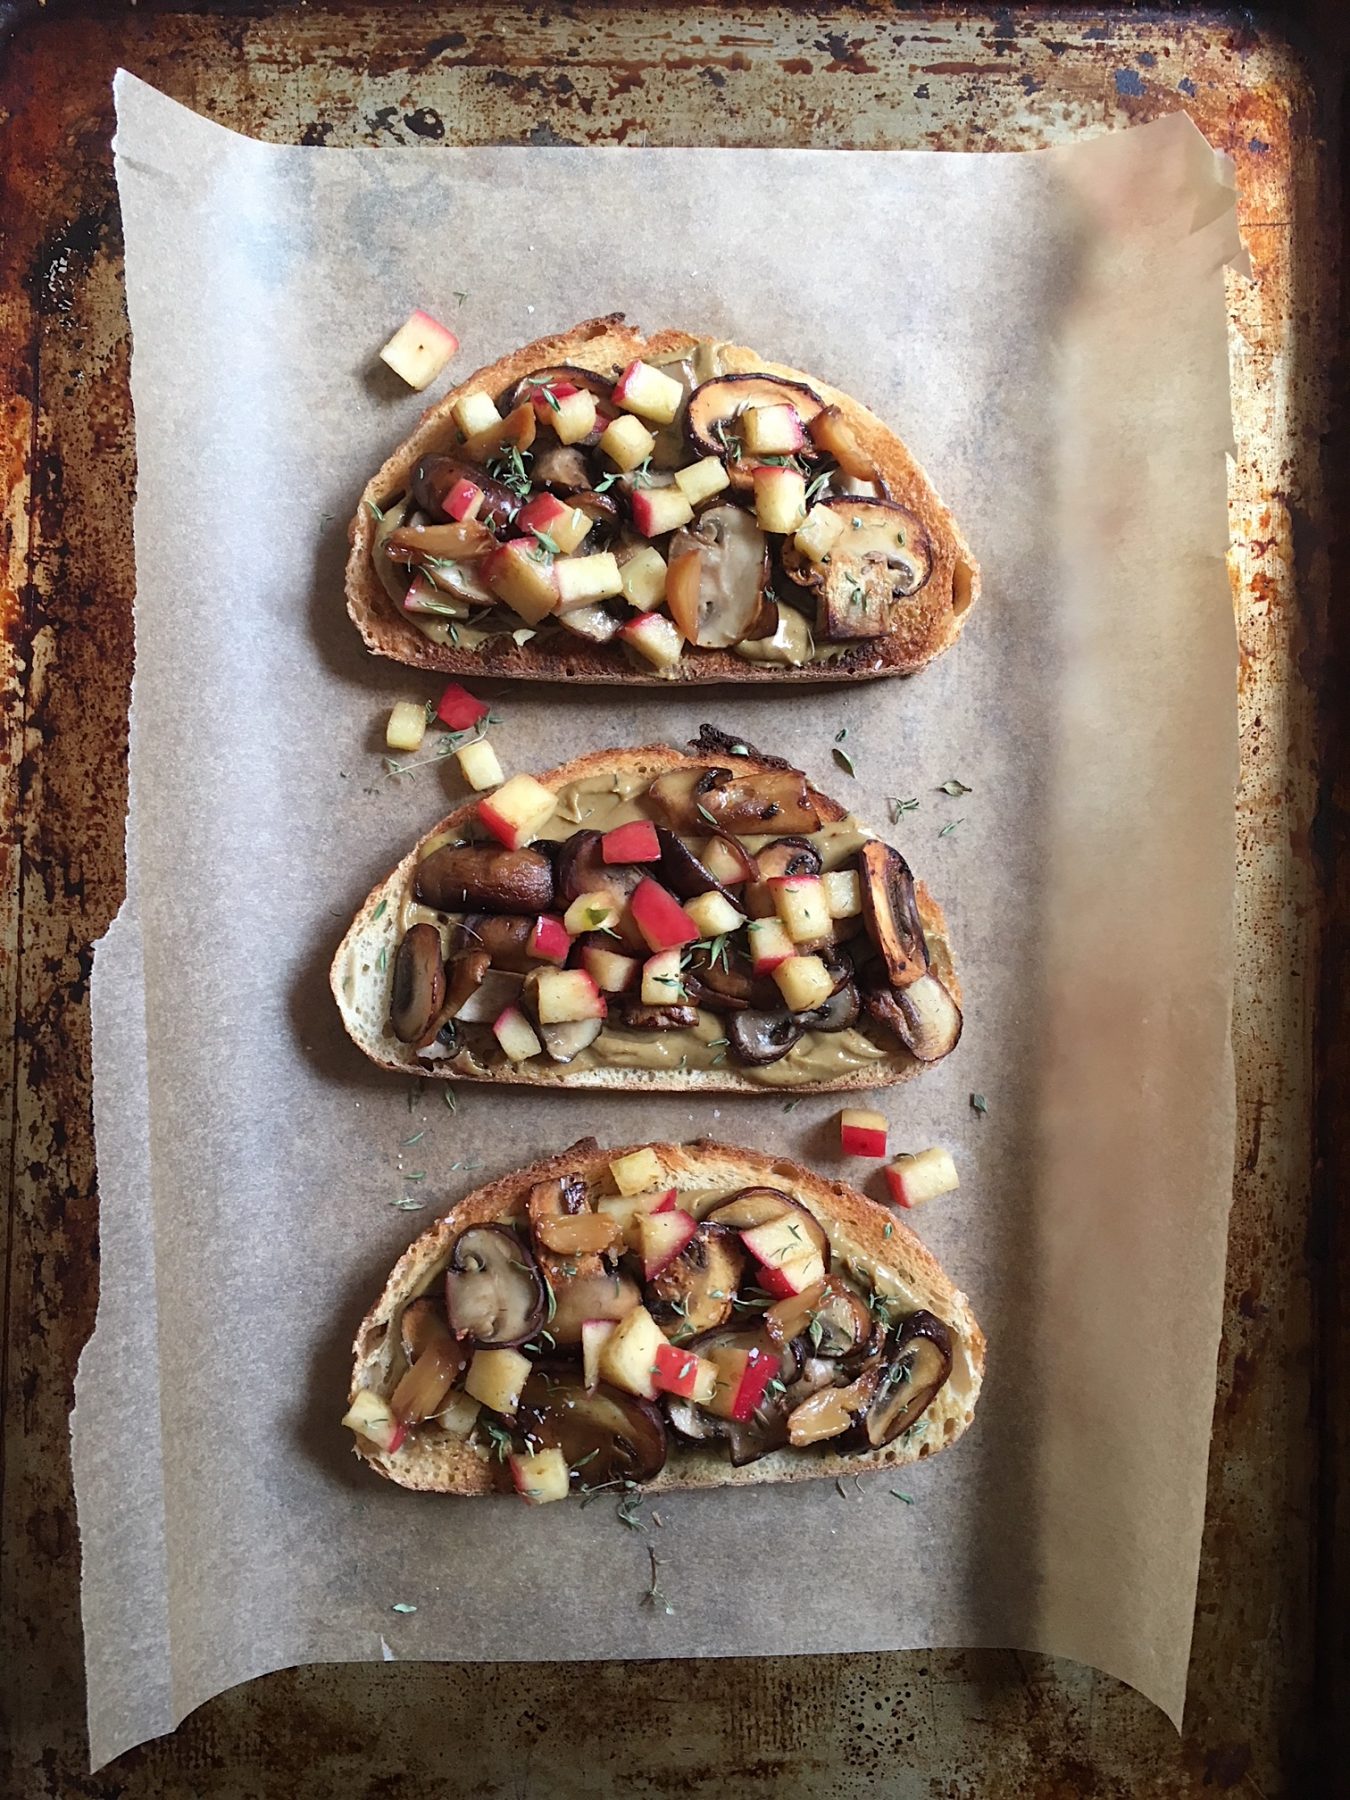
(653, 1596)
(979, 1103)
(380, 910)
(845, 761)
(900, 807)
(947, 830)
(955, 789)
(403, 1606)
(897, 1495)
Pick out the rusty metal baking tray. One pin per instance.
(874, 77)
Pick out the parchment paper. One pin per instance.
(1048, 332)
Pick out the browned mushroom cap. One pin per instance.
(834, 1320)
(588, 1296)
(494, 1292)
(597, 507)
(891, 912)
(582, 869)
(832, 1411)
(711, 418)
(464, 976)
(462, 540)
(733, 566)
(760, 1205)
(418, 987)
(922, 1015)
(766, 1430)
(837, 1013)
(759, 1037)
(882, 556)
(695, 1292)
(767, 802)
(563, 468)
(564, 1043)
(909, 1380)
(564, 375)
(723, 980)
(503, 935)
(606, 1436)
(733, 847)
(480, 877)
(594, 623)
(634, 1016)
(436, 475)
(788, 856)
(435, 1362)
(681, 871)
(831, 432)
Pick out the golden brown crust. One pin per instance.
(605, 344)
(359, 973)
(859, 1230)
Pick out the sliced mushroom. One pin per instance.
(767, 802)
(436, 475)
(681, 871)
(606, 1436)
(634, 1016)
(465, 974)
(831, 432)
(760, 1205)
(732, 848)
(767, 1429)
(498, 990)
(838, 1013)
(758, 1037)
(909, 1380)
(594, 623)
(695, 1292)
(882, 556)
(503, 935)
(435, 1362)
(727, 597)
(891, 912)
(494, 1292)
(474, 877)
(724, 981)
(563, 375)
(711, 418)
(418, 987)
(922, 1015)
(563, 468)
(787, 856)
(832, 1411)
(582, 869)
(463, 540)
(579, 1297)
(599, 508)
(564, 1043)
(832, 1316)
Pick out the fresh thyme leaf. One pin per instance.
(897, 1495)
(900, 807)
(739, 750)
(499, 1440)
(955, 788)
(979, 1103)
(380, 910)
(857, 593)
(653, 1596)
(406, 1203)
(548, 543)
(416, 1137)
(841, 734)
(816, 1331)
(376, 512)
(382, 960)
(628, 1512)
(448, 1095)
(845, 761)
(791, 1105)
(606, 481)
(947, 830)
(888, 1230)
(416, 1175)
(815, 487)
(703, 813)
(642, 475)
(402, 1606)
(459, 295)
(590, 1456)
(552, 1299)
(840, 1488)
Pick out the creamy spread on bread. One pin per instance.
(620, 1314)
(717, 914)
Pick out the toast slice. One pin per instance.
(907, 1373)
(800, 955)
(429, 584)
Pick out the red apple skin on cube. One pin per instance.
(419, 349)
(760, 1369)
(515, 1034)
(549, 940)
(560, 390)
(610, 970)
(593, 1335)
(658, 915)
(774, 1282)
(666, 1203)
(781, 1248)
(662, 1236)
(462, 500)
(632, 843)
(517, 810)
(567, 995)
(658, 510)
(680, 1372)
(769, 945)
(541, 513)
(923, 1177)
(458, 710)
(862, 1133)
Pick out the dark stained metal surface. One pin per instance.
(933, 1723)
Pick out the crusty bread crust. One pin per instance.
(362, 966)
(608, 344)
(861, 1232)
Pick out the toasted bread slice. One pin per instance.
(872, 1249)
(867, 1055)
(911, 629)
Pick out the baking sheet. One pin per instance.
(1048, 331)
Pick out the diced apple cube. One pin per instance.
(549, 940)
(515, 1034)
(661, 1237)
(474, 413)
(548, 517)
(804, 982)
(843, 893)
(780, 498)
(635, 842)
(801, 905)
(701, 480)
(496, 1378)
(419, 349)
(521, 573)
(657, 510)
(595, 1334)
(821, 532)
(921, 1177)
(566, 995)
(771, 430)
(741, 1380)
(662, 982)
(681, 1372)
(629, 1356)
(770, 945)
(784, 1246)
(627, 442)
(479, 764)
(540, 1475)
(585, 579)
(643, 575)
(714, 914)
(459, 1415)
(636, 1172)
(424, 597)
(518, 810)
(463, 500)
(459, 710)
(627, 1209)
(658, 915)
(862, 1133)
(646, 391)
(611, 971)
(371, 1417)
(598, 911)
(575, 417)
(654, 637)
(407, 726)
